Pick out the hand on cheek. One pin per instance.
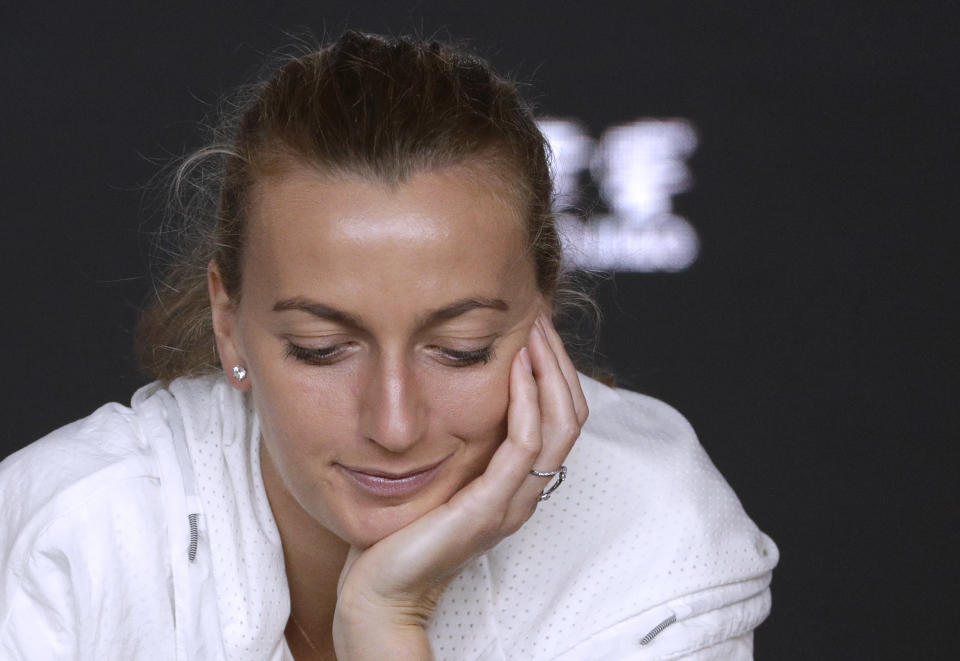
(392, 586)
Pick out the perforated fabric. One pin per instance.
(94, 562)
(643, 529)
(242, 539)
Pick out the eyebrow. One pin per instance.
(447, 312)
(319, 310)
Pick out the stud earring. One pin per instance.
(239, 372)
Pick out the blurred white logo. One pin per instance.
(637, 167)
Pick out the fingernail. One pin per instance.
(525, 359)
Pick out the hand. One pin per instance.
(388, 591)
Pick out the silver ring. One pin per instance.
(561, 474)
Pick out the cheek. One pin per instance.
(304, 413)
(474, 406)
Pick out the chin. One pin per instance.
(368, 528)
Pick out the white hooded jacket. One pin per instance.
(145, 533)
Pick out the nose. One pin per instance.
(392, 412)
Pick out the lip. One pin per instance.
(385, 484)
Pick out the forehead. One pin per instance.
(439, 236)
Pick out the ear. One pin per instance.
(224, 312)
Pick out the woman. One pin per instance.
(354, 471)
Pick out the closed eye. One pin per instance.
(330, 355)
(466, 358)
(319, 356)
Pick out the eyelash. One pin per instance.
(324, 356)
(467, 358)
(328, 355)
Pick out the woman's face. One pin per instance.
(377, 326)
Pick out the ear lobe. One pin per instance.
(224, 317)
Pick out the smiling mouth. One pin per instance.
(391, 485)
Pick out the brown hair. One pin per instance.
(380, 108)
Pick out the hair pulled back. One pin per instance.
(380, 108)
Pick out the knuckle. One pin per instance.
(583, 412)
(486, 520)
(480, 498)
(531, 510)
(515, 524)
(568, 429)
(519, 516)
(489, 528)
(530, 444)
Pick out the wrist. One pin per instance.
(378, 636)
(364, 631)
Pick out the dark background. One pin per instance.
(811, 345)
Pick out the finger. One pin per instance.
(558, 414)
(473, 519)
(567, 367)
(560, 427)
(511, 463)
(414, 559)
